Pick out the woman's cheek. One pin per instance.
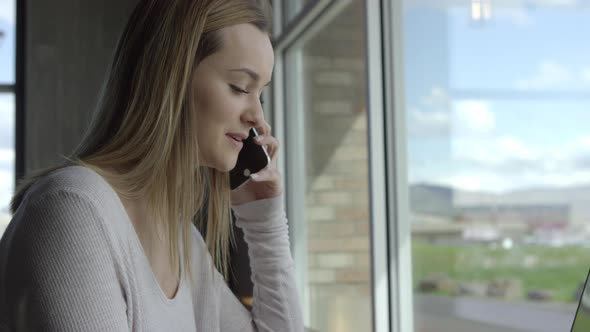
(230, 106)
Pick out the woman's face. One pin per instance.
(227, 86)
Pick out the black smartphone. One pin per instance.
(252, 159)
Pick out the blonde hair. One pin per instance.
(143, 124)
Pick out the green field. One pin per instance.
(582, 323)
(558, 270)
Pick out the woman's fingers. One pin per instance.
(269, 174)
(264, 129)
(270, 143)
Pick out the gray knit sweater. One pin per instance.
(70, 260)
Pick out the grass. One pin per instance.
(558, 270)
(582, 323)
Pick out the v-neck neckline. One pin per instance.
(146, 262)
(144, 258)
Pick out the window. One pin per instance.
(497, 98)
(7, 42)
(484, 112)
(292, 8)
(7, 109)
(327, 157)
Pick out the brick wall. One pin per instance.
(337, 195)
(337, 200)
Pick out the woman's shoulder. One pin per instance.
(72, 194)
(61, 232)
(73, 179)
(73, 182)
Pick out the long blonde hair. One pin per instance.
(143, 124)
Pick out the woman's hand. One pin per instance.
(266, 183)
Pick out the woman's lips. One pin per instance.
(236, 142)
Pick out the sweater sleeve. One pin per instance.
(60, 273)
(276, 305)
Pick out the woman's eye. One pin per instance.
(237, 89)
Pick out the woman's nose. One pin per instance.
(254, 115)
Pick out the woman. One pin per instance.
(106, 242)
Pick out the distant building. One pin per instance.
(534, 216)
(454, 233)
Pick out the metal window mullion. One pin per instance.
(293, 32)
(277, 119)
(376, 135)
(296, 175)
(400, 250)
(277, 18)
(20, 107)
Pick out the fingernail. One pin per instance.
(254, 176)
(259, 138)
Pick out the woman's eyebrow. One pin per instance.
(253, 75)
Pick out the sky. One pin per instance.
(7, 43)
(492, 106)
(498, 105)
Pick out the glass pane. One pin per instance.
(332, 107)
(498, 100)
(292, 8)
(6, 156)
(7, 41)
(582, 322)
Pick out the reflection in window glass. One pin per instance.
(582, 322)
(292, 8)
(497, 97)
(7, 41)
(6, 156)
(336, 193)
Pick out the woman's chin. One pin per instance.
(225, 166)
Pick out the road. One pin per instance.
(435, 313)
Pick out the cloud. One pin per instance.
(434, 117)
(575, 155)
(472, 118)
(500, 163)
(8, 11)
(553, 75)
(585, 75)
(475, 181)
(503, 153)
(490, 181)
(555, 3)
(431, 117)
(438, 98)
(6, 159)
(6, 188)
(6, 155)
(423, 123)
(481, 157)
(7, 121)
(549, 74)
(517, 16)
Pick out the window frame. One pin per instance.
(19, 95)
(16, 89)
(389, 281)
(399, 235)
